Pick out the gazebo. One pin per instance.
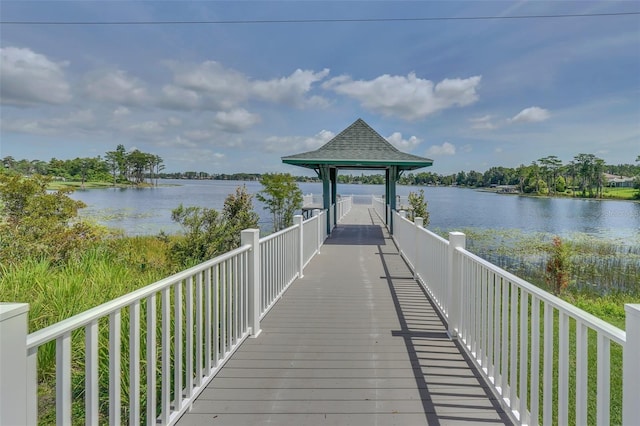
(358, 147)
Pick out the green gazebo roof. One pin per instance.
(358, 147)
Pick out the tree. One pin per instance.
(560, 184)
(238, 214)
(203, 235)
(549, 167)
(209, 233)
(37, 223)
(281, 196)
(113, 164)
(418, 206)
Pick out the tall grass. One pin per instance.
(108, 270)
(55, 292)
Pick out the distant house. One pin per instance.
(616, 181)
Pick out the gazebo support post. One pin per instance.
(386, 196)
(333, 174)
(326, 193)
(393, 176)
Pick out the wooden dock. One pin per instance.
(353, 342)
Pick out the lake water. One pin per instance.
(140, 211)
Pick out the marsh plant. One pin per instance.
(558, 266)
(592, 265)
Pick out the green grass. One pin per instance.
(620, 193)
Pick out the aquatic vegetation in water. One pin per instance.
(598, 265)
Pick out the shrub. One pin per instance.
(558, 266)
(41, 224)
(281, 197)
(418, 206)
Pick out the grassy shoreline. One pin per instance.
(609, 194)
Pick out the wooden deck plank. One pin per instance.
(355, 341)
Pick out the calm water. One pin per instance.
(148, 210)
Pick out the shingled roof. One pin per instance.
(358, 146)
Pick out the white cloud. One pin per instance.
(483, 123)
(210, 85)
(236, 121)
(214, 138)
(410, 97)
(531, 115)
(291, 90)
(225, 88)
(444, 149)
(198, 135)
(175, 97)
(28, 78)
(403, 144)
(297, 144)
(200, 156)
(147, 127)
(74, 123)
(174, 121)
(115, 86)
(121, 111)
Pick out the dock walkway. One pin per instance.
(353, 342)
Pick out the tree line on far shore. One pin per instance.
(118, 167)
(584, 175)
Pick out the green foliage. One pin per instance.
(238, 214)
(41, 224)
(418, 206)
(558, 266)
(203, 234)
(281, 197)
(209, 233)
(560, 184)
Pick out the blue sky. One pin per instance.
(225, 98)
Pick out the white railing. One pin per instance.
(312, 235)
(307, 200)
(144, 357)
(344, 207)
(280, 255)
(332, 222)
(380, 208)
(529, 344)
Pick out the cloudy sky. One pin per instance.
(233, 93)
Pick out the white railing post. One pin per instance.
(316, 213)
(454, 290)
(252, 237)
(297, 220)
(419, 223)
(631, 366)
(13, 364)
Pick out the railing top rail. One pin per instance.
(52, 332)
(436, 236)
(601, 326)
(312, 218)
(277, 234)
